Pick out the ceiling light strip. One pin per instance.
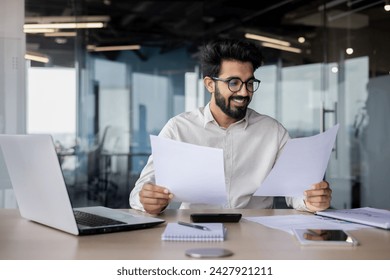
(58, 19)
(267, 39)
(60, 34)
(68, 25)
(37, 57)
(280, 47)
(39, 30)
(113, 48)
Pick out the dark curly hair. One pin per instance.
(212, 54)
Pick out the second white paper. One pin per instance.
(303, 162)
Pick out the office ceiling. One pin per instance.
(168, 25)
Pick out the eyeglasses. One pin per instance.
(235, 84)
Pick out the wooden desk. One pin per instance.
(22, 239)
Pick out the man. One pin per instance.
(251, 142)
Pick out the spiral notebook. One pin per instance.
(177, 232)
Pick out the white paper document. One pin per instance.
(365, 215)
(303, 162)
(289, 222)
(192, 173)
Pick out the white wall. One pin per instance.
(12, 83)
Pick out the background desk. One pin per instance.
(22, 239)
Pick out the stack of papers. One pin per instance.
(366, 215)
(344, 219)
(288, 223)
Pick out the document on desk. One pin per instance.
(193, 173)
(289, 222)
(365, 215)
(303, 162)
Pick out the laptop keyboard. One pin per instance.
(92, 220)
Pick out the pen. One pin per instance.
(193, 226)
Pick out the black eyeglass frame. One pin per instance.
(236, 78)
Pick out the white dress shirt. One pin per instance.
(250, 148)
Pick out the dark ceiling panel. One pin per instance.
(172, 24)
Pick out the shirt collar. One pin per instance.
(208, 117)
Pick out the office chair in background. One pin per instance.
(100, 186)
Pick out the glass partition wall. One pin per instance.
(337, 72)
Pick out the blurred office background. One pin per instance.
(100, 91)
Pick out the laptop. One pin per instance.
(42, 196)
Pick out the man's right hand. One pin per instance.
(154, 198)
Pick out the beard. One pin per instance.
(236, 113)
